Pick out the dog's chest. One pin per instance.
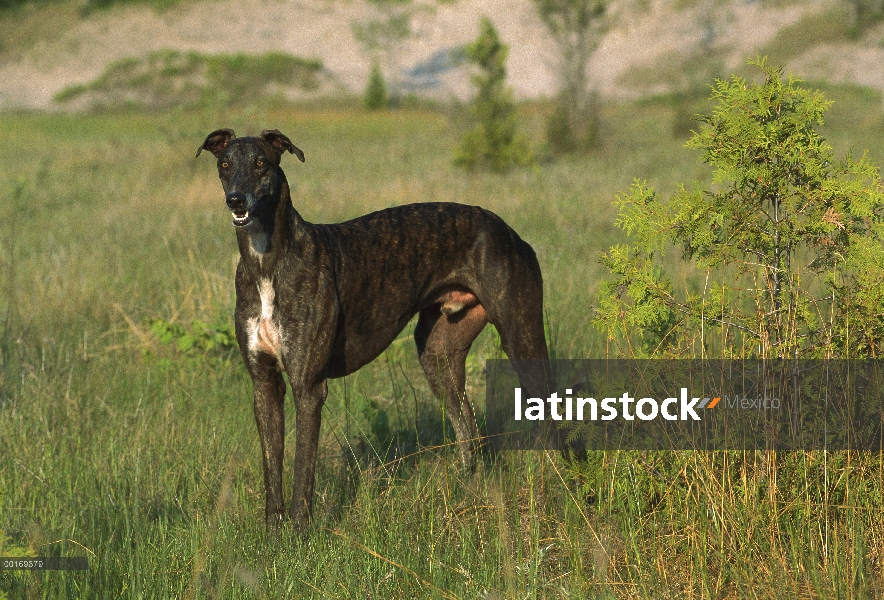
(264, 335)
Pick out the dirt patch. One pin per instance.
(863, 68)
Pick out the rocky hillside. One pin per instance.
(651, 45)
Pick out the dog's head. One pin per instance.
(249, 169)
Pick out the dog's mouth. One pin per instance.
(244, 216)
(241, 219)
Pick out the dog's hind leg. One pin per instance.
(516, 311)
(522, 338)
(443, 342)
(520, 325)
(518, 318)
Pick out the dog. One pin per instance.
(318, 301)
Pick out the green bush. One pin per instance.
(172, 78)
(571, 131)
(199, 337)
(866, 13)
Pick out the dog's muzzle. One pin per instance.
(237, 203)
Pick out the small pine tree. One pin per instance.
(494, 143)
(375, 97)
(786, 240)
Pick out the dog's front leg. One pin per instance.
(270, 416)
(308, 403)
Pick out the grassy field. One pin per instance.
(145, 458)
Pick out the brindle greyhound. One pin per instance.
(320, 301)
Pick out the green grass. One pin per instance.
(145, 458)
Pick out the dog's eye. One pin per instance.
(260, 163)
(224, 165)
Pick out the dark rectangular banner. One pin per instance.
(685, 405)
(44, 563)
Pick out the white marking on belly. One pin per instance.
(263, 332)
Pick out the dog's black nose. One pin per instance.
(236, 201)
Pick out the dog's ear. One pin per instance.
(217, 141)
(280, 142)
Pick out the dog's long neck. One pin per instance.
(263, 244)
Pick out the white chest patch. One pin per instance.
(263, 330)
(259, 243)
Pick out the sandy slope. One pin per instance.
(80, 48)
